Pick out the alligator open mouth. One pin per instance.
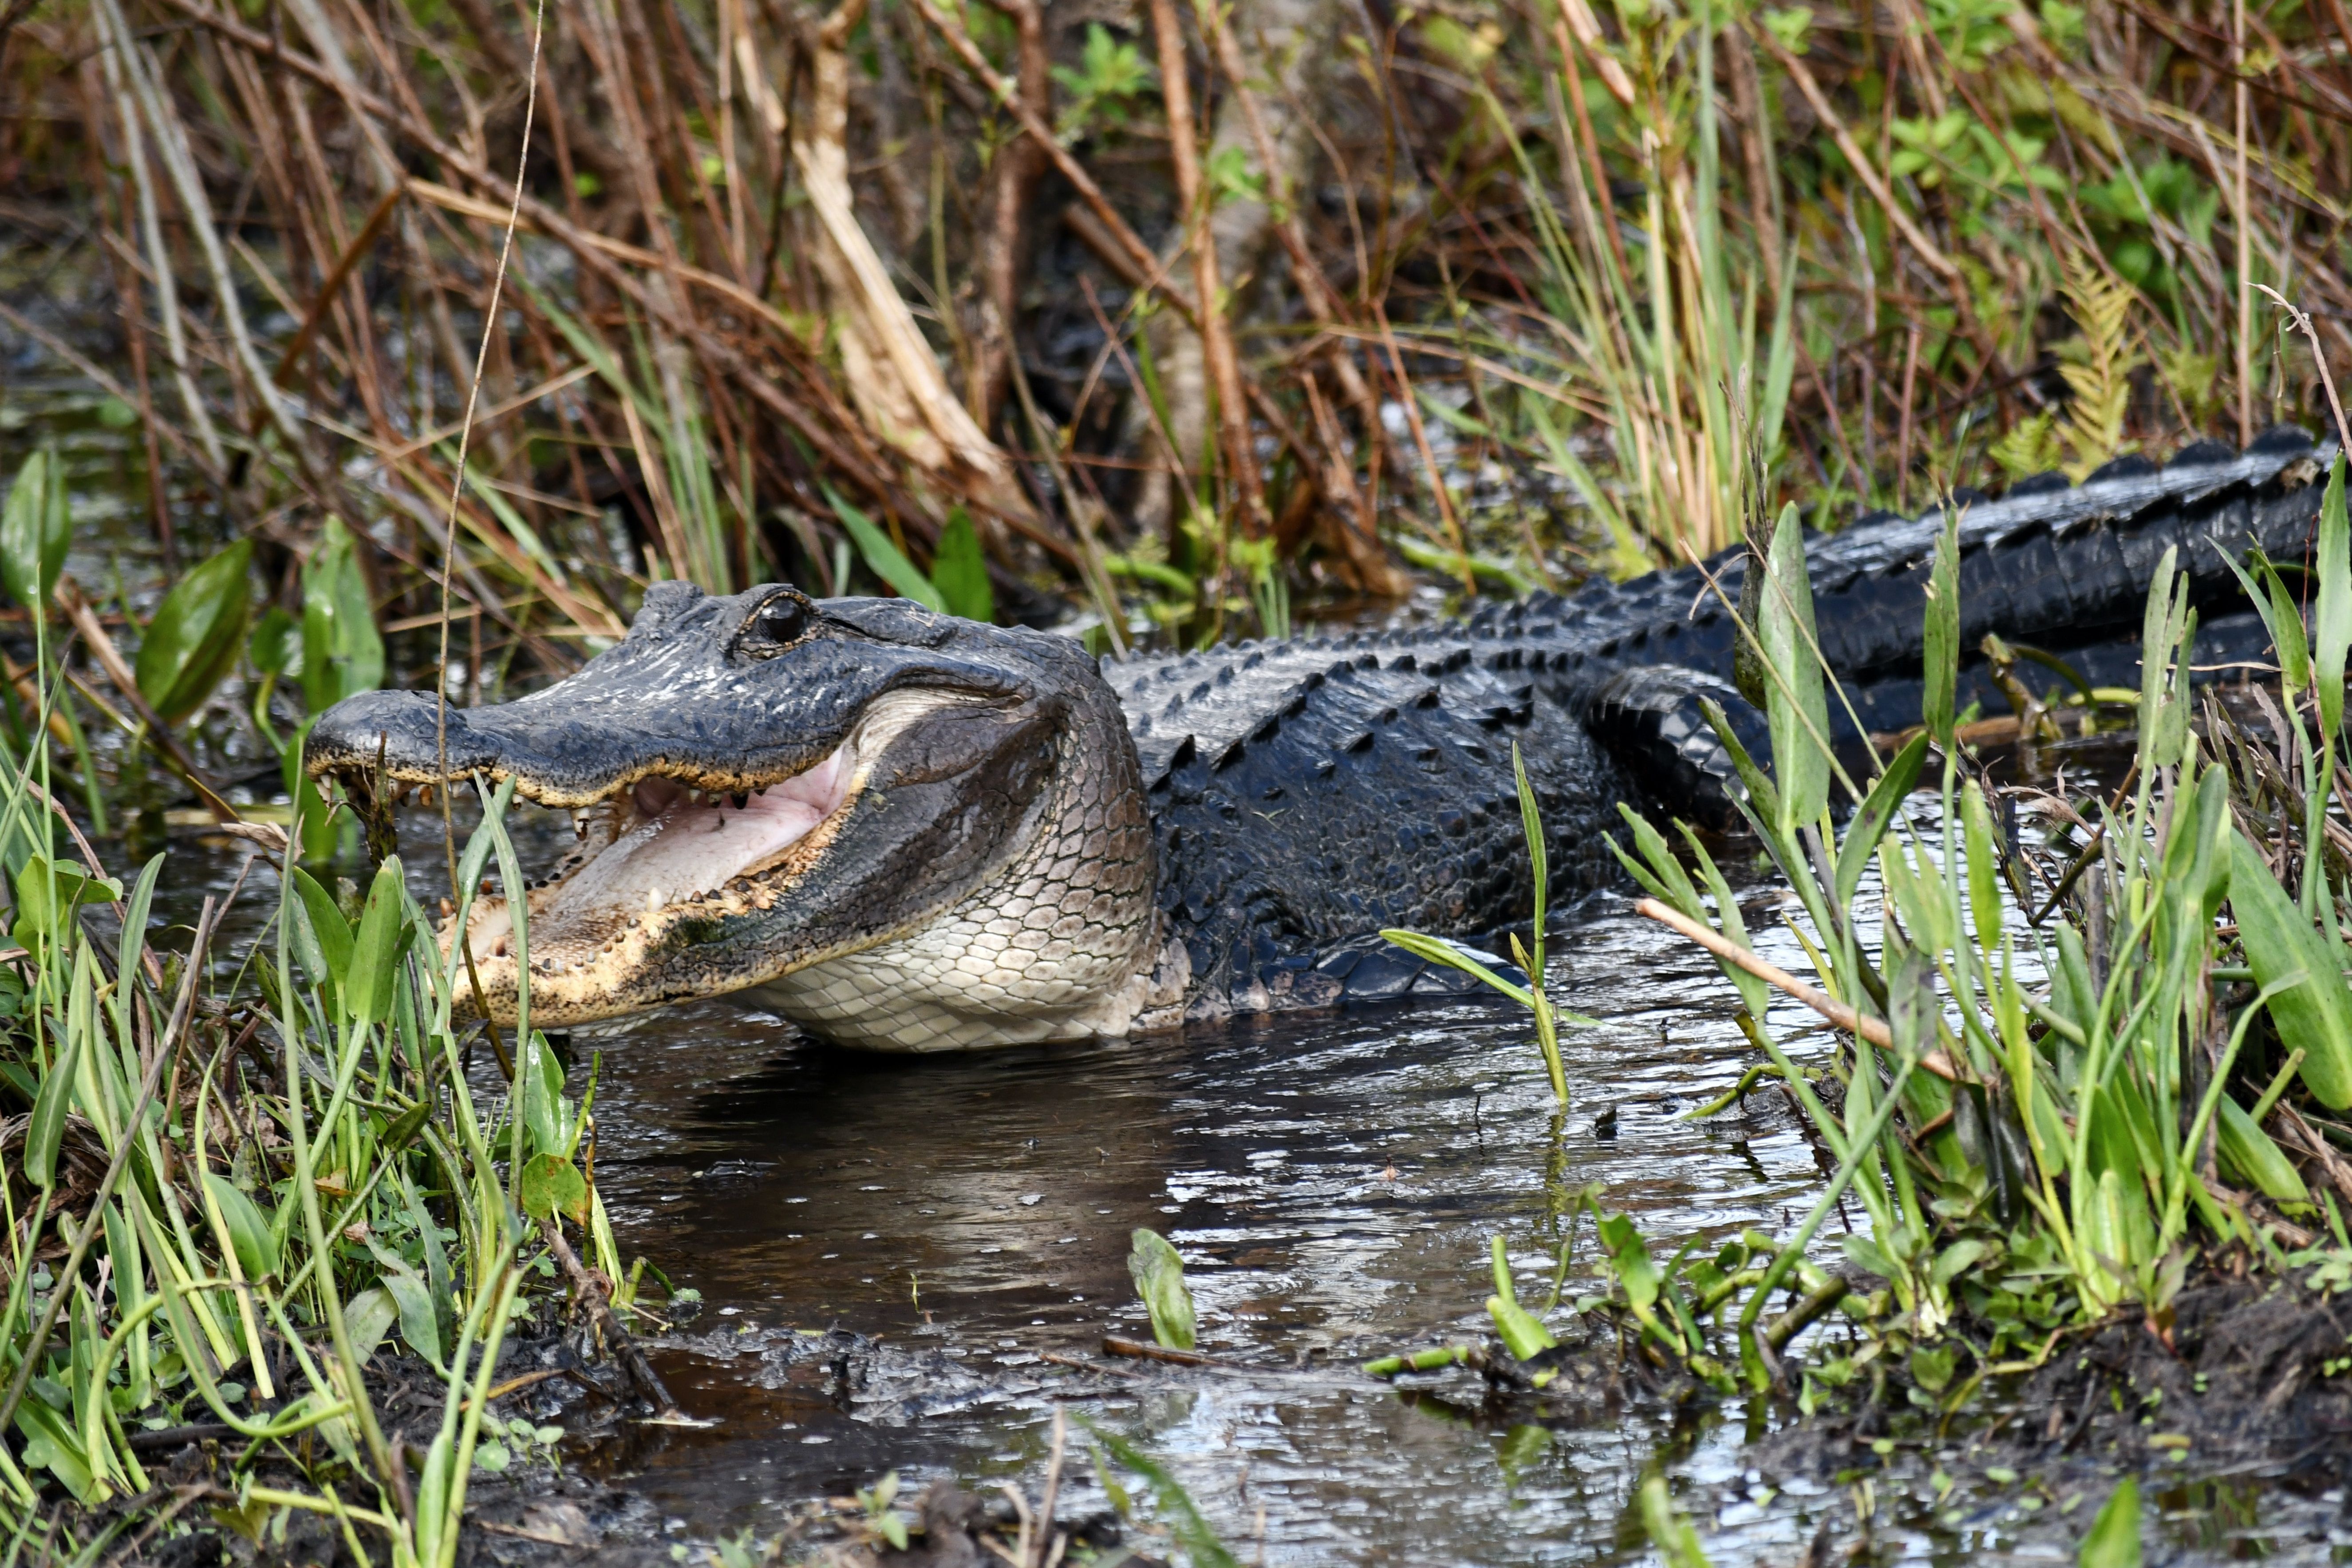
(655, 853)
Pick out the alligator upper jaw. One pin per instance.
(663, 862)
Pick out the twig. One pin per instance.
(1141, 1350)
(1874, 1031)
(608, 1323)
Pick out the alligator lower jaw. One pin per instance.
(652, 854)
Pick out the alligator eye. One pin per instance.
(780, 622)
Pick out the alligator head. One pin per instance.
(908, 828)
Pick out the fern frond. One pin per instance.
(2098, 372)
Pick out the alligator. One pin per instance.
(909, 832)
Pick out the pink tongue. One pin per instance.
(688, 850)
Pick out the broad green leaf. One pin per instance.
(376, 951)
(48, 892)
(2113, 1540)
(1870, 824)
(1932, 1367)
(2315, 1016)
(2332, 625)
(196, 632)
(552, 1184)
(51, 1444)
(1797, 709)
(884, 559)
(368, 1317)
(2248, 1153)
(539, 1078)
(1629, 1258)
(420, 1325)
(47, 1128)
(34, 529)
(1159, 1279)
(2282, 618)
(960, 571)
(320, 917)
(276, 646)
(1943, 634)
(249, 1232)
(343, 653)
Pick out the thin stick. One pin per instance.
(1874, 1031)
(457, 488)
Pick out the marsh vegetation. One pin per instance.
(407, 345)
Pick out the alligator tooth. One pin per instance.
(653, 901)
(579, 826)
(742, 801)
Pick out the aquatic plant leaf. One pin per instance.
(2248, 1151)
(47, 893)
(276, 646)
(367, 1318)
(1983, 863)
(1158, 1273)
(1178, 1511)
(1630, 1260)
(2332, 623)
(1437, 950)
(34, 529)
(2315, 1016)
(51, 1444)
(1670, 1532)
(1522, 1335)
(46, 1129)
(249, 1231)
(2282, 618)
(196, 635)
(1798, 709)
(1870, 824)
(1932, 1367)
(378, 948)
(313, 832)
(960, 572)
(343, 653)
(2113, 1540)
(552, 1184)
(1942, 631)
(884, 559)
(324, 922)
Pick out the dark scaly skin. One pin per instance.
(998, 881)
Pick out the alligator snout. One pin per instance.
(401, 732)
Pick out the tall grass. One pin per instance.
(295, 1167)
